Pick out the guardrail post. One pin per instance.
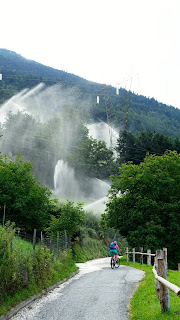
(149, 257)
(134, 259)
(163, 291)
(127, 255)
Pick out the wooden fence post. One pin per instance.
(58, 243)
(41, 237)
(34, 239)
(163, 290)
(149, 257)
(134, 258)
(65, 239)
(141, 257)
(156, 281)
(51, 244)
(165, 257)
(127, 255)
(4, 215)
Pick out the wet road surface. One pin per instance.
(96, 292)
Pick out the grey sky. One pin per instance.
(101, 40)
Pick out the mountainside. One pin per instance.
(126, 110)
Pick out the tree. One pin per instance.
(69, 218)
(28, 203)
(134, 147)
(94, 159)
(144, 204)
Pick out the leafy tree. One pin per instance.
(134, 147)
(69, 218)
(94, 159)
(28, 203)
(144, 204)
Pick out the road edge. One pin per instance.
(28, 301)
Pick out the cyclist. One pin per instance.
(114, 249)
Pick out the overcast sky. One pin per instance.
(106, 41)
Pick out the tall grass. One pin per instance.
(144, 305)
(24, 272)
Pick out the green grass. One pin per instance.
(22, 245)
(89, 249)
(143, 305)
(61, 268)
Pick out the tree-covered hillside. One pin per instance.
(126, 110)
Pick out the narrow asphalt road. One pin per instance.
(96, 293)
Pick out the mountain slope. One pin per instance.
(126, 110)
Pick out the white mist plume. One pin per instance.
(43, 102)
(66, 186)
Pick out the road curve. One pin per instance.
(96, 292)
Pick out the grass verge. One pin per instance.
(61, 268)
(143, 305)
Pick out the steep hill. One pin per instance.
(128, 110)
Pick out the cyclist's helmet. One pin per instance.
(115, 242)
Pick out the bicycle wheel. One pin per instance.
(112, 263)
(117, 264)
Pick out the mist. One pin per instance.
(30, 114)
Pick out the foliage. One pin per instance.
(69, 218)
(134, 147)
(26, 272)
(143, 304)
(143, 114)
(94, 159)
(43, 144)
(89, 248)
(27, 202)
(144, 204)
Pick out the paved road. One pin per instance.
(97, 292)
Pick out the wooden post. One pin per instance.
(127, 255)
(41, 237)
(149, 257)
(156, 281)
(141, 257)
(179, 272)
(163, 290)
(165, 257)
(34, 239)
(4, 215)
(51, 244)
(134, 258)
(58, 243)
(65, 239)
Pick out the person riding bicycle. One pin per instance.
(114, 249)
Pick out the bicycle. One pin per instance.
(115, 263)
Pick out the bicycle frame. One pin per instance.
(115, 263)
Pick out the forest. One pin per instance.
(50, 123)
(124, 111)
